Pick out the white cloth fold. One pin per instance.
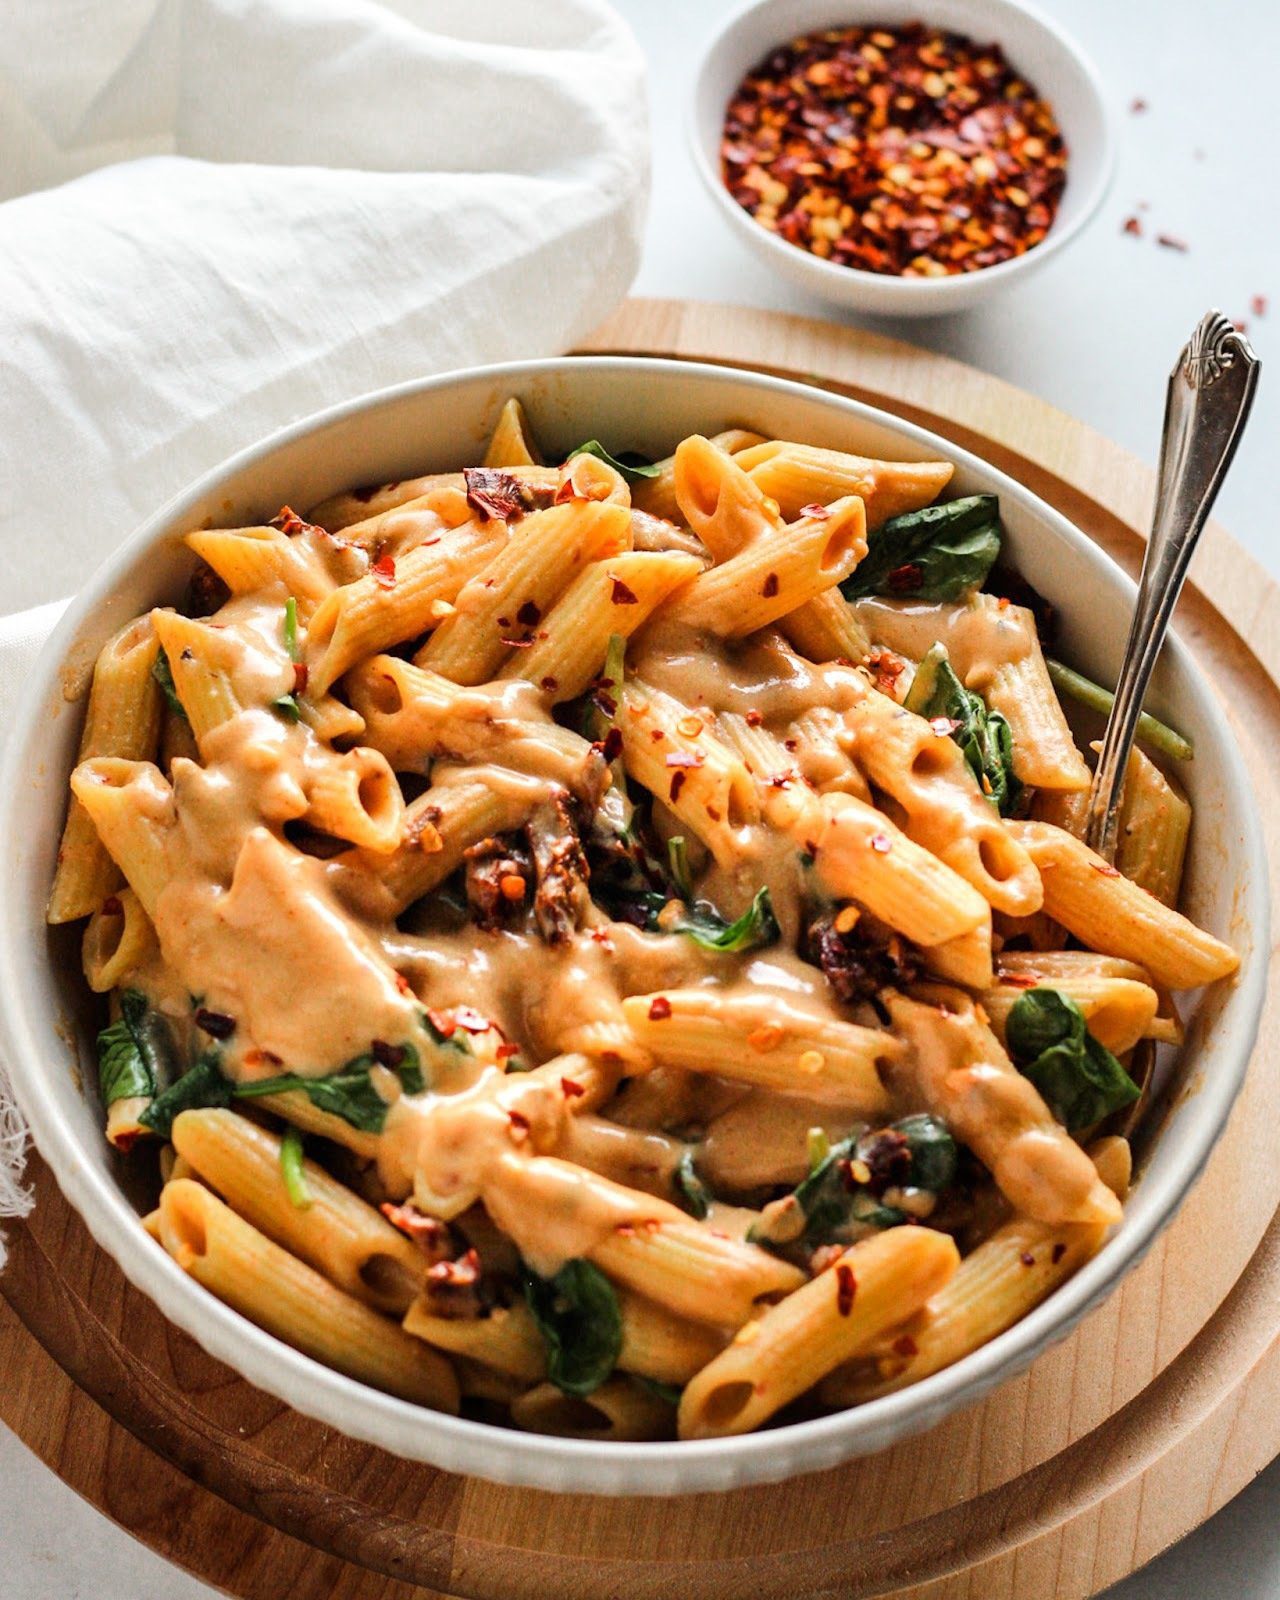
(221, 215)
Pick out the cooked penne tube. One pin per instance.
(1155, 821)
(608, 598)
(618, 1411)
(779, 571)
(862, 856)
(131, 805)
(772, 1043)
(362, 509)
(338, 1234)
(123, 721)
(966, 1078)
(826, 628)
(414, 716)
(797, 1342)
(248, 559)
(511, 444)
(355, 796)
(672, 752)
(965, 960)
(1118, 1011)
(509, 597)
(200, 664)
(660, 1346)
(397, 603)
(507, 1339)
(797, 475)
(288, 1299)
(659, 495)
(1108, 913)
(118, 938)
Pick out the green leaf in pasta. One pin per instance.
(755, 928)
(1079, 1079)
(290, 629)
(135, 1054)
(932, 1150)
(203, 1085)
(984, 736)
(580, 1321)
(292, 1172)
(938, 553)
(162, 672)
(691, 1192)
(632, 470)
(350, 1092)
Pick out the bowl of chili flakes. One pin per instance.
(901, 160)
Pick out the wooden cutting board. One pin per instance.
(1157, 1410)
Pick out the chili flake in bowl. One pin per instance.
(898, 164)
(908, 150)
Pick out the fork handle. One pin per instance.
(1211, 389)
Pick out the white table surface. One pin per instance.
(1095, 333)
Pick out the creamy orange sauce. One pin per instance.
(305, 954)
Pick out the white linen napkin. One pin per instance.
(264, 206)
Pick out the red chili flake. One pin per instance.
(1239, 324)
(504, 622)
(1059, 1250)
(909, 150)
(620, 594)
(659, 1008)
(677, 783)
(465, 1270)
(846, 1288)
(384, 572)
(1105, 868)
(611, 748)
(468, 1018)
(604, 701)
(549, 683)
(217, 1024)
(403, 984)
(754, 719)
(519, 1122)
(529, 614)
(262, 1058)
(685, 758)
(815, 511)
(426, 1232)
(387, 1055)
(301, 673)
(1258, 305)
(1134, 226)
(506, 1050)
(657, 735)
(1137, 105)
(1027, 1259)
(791, 744)
(570, 1089)
(905, 1345)
(111, 906)
(713, 814)
(445, 1025)
(1019, 980)
(291, 524)
(497, 496)
(1171, 241)
(881, 843)
(770, 586)
(518, 644)
(811, 848)
(907, 578)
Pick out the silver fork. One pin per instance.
(1210, 392)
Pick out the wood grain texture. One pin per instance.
(1155, 1412)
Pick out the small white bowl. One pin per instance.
(631, 403)
(1061, 72)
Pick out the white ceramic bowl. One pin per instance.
(440, 423)
(1037, 47)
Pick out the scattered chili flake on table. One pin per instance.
(1258, 305)
(909, 151)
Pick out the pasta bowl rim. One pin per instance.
(890, 294)
(472, 1447)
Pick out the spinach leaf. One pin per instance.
(670, 1392)
(631, 470)
(755, 928)
(348, 1093)
(691, 1192)
(162, 672)
(202, 1085)
(135, 1054)
(290, 629)
(831, 1204)
(984, 736)
(578, 1316)
(286, 706)
(678, 860)
(934, 554)
(933, 1151)
(1079, 1079)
